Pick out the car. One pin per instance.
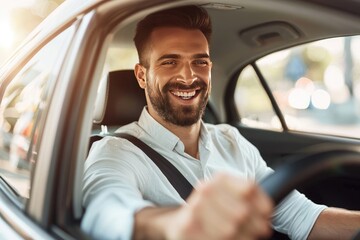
(286, 74)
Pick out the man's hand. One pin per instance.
(225, 208)
(336, 223)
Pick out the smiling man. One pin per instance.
(126, 195)
(176, 79)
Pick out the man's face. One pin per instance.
(178, 75)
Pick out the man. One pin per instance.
(126, 195)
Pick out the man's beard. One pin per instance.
(178, 115)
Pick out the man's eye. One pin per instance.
(169, 62)
(201, 62)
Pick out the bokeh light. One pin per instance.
(321, 99)
(299, 98)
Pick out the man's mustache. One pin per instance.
(179, 86)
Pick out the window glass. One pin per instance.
(317, 85)
(252, 102)
(22, 113)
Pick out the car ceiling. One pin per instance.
(310, 21)
(244, 30)
(231, 17)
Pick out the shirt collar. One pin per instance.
(205, 138)
(163, 136)
(166, 138)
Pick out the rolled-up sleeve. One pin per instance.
(296, 215)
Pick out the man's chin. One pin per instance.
(185, 122)
(186, 116)
(179, 114)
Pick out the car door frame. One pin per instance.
(32, 220)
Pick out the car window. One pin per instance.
(22, 113)
(253, 103)
(316, 86)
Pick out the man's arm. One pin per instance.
(224, 208)
(336, 223)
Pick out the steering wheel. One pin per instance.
(301, 170)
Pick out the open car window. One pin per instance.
(21, 114)
(315, 85)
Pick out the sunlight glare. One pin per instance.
(6, 33)
(18, 3)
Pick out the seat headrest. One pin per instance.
(120, 99)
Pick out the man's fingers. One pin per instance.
(220, 212)
(228, 207)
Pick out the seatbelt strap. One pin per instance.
(177, 180)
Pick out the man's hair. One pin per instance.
(188, 17)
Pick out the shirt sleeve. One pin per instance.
(112, 190)
(296, 214)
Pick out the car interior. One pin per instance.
(245, 34)
(275, 27)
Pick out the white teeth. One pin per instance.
(184, 95)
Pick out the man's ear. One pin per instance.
(140, 74)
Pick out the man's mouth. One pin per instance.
(185, 95)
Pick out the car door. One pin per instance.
(303, 99)
(27, 89)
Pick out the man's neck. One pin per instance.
(189, 135)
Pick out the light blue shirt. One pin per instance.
(120, 179)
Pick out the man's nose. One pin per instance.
(187, 74)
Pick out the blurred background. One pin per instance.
(316, 85)
(18, 18)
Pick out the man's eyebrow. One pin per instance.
(201, 55)
(177, 56)
(167, 56)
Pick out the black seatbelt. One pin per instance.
(177, 180)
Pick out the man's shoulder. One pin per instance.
(113, 141)
(132, 129)
(222, 128)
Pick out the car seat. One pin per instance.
(120, 100)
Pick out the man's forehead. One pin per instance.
(173, 29)
(172, 39)
(177, 33)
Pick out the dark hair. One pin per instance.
(188, 17)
